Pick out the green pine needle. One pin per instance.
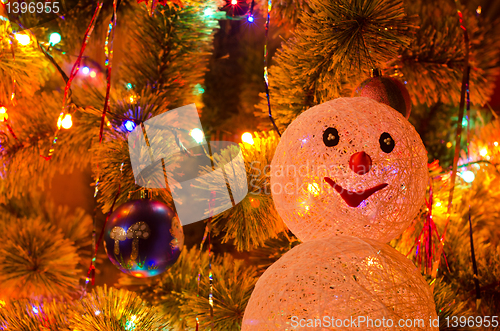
(36, 260)
(253, 220)
(115, 310)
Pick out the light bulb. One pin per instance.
(3, 114)
(483, 152)
(197, 135)
(129, 125)
(54, 38)
(250, 18)
(247, 138)
(208, 12)
(234, 2)
(468, 176)
(93, 74)
(85, 70)
(23, 39)
(65, 122)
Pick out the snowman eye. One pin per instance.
(386, 142)
(331, 137)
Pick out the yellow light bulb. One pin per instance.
(483, 152)
(22, 39)
(495, 143)
(93, 74)
(247, 138)
(3, 114)
(65, 122)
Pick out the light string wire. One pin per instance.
(74, 71)
(210, 274)
(266, 76)
(464, 93)
(471, 237)
(458, 137)
(108, 50)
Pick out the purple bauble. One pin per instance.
(143, 238)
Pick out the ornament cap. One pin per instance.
(375, 72)
(146, 194)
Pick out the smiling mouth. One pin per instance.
(353, 199)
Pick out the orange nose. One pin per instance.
(360, 163)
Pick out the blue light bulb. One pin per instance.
(129, 125)
(250, 19)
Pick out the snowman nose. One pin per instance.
(360, 163)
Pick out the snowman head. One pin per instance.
(350, 166)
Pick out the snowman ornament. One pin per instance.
(348, 176)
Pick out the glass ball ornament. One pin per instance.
(345, 279)
(143, 238)
(388, 90)
(349, 166)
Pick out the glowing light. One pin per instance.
(483, 152)
(97, 312)
(197, 135)
(129, 125)
(234, 2)
(93, 74)
(65, 122)
(464, 122)
(247, 138)
(35, 310)
(2, 303)
(54, 38)
(23, 39)
(438, 204)
(130, 325)
(250, 18)
(198, 89)
(208, 12)
(313, 188)
(129, 86)
(132, 99)
(138, 275)
(3, 114)
(449, 144)
(108, 123)
(468, 176)
(478, 10)
(495, 143)
(85, 70)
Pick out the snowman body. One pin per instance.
(348, 176)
